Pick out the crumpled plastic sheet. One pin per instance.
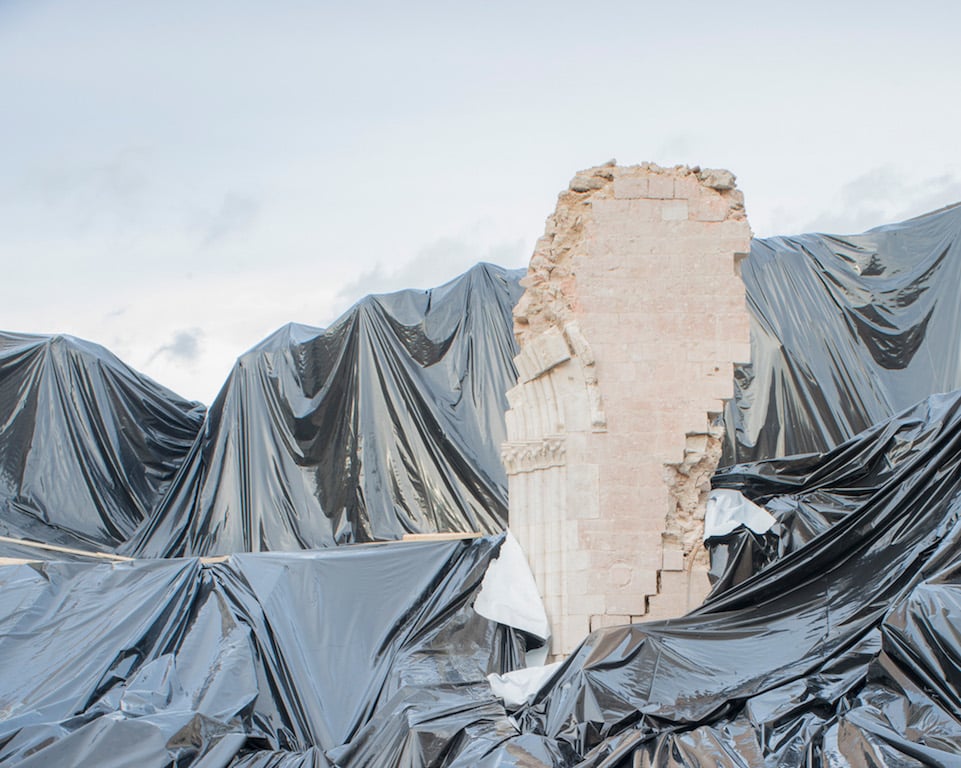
(252, 660)
(738, 556)
(809, 494)
(845, 651)
(389, 422)
(88, 446)
(846, 332)
(837, 644)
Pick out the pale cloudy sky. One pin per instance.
(180, 178)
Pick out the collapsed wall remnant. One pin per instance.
(631, 320)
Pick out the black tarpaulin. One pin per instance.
(119, 664)
(260, 659)
(842, 652)
(389, 422)
(88, 446)
(846, 332)
(838, 643)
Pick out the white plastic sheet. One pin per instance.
(729, 509)
(509, 594)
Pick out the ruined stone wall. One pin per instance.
(632, 317)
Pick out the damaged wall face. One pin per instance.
(632, 317)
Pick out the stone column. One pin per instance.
(632, 317)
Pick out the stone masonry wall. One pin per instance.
(632, 317)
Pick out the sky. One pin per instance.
(178, 179)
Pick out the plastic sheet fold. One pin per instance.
(387, 423)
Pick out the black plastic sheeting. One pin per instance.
(389, 422)
(843, 652)
(846, 332)
(834, 642)
(740, 554)
(253, 660)
(88, 446)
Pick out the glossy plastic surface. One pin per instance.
(88, 446)
(846, 332)
(387, 423)
(260, 659)
(843, 651)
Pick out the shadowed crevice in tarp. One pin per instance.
(389, 422)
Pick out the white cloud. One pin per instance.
(433, 265)
(234, 215)
(884, 195)
(185, 346)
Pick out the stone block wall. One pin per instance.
(632, 317)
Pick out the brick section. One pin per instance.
(632, 317)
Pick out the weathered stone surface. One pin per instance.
(717, 179)
(674, 210)
(586, 183)
(636, 275)
(631, 187)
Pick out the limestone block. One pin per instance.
(711, 207)
(583, 486)
(673, 559)
(699, 586)
(680, 592)
(661, 186)
(600, 621)
(549, 350)
(695, 442)
(740, 352)
(577, 560)
(632, 602)
(526, 364)
(629, 187)
(569, 632)
(687, 186)
(575, 406)
(585, 604)
(581, 584)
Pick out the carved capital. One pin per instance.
(534, 455)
